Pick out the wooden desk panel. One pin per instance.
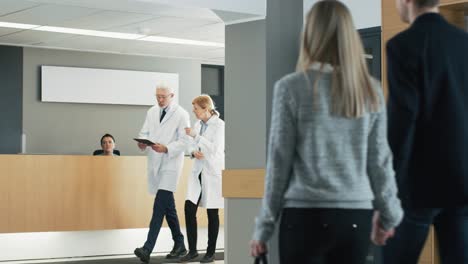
(70, 193)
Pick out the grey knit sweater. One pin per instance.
(318, 160)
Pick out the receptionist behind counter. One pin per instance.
(107, 147)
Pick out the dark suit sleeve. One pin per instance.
(403, 105)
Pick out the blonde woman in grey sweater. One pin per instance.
(329, 166)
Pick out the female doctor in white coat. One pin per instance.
(204, 184)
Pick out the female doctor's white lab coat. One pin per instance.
(211, 144)
(164, 169)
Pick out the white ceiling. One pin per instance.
(147, 17)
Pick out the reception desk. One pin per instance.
(41, 193)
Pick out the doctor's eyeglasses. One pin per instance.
(163, 96)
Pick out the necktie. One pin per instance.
(162, 115)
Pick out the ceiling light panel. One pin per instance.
(87, 32)
(17, 25)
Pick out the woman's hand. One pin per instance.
(198, 155)
(379, 235)
(257, 248)
(190, 132)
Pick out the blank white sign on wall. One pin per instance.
(103, 86)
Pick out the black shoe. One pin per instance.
(142, 254)
(191, 255)
(177, 252)
(208, 258)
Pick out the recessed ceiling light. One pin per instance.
(87, 32)
(17, 25)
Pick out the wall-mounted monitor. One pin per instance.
(103, 86)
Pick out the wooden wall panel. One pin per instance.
(4, 200)
(435, 252)
(71, 193)
(427, 254)
(390, 17)
(451, 2)
(455, 13)
(243, 183)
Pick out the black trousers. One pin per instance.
(451, 226)
(191, 224)
(325, 236)
(164, 206)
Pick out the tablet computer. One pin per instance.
(144, 141)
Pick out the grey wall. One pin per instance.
(245, 89)
(245, 112)
(258, 53)
(283, 31)
(239, 217)
(66, 128)
(11, 104)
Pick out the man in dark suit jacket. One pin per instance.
(428, 132)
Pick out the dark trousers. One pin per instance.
(451, 226)
(191, 224)
(164, 205)
(324, 236)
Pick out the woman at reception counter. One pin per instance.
(107, 147)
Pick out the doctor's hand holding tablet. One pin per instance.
(143, 143)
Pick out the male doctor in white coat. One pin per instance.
(164, 125)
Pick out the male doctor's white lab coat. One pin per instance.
(211, 144)
(164, 169)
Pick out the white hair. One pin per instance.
(166, 87)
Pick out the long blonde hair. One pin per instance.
(330, 37)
